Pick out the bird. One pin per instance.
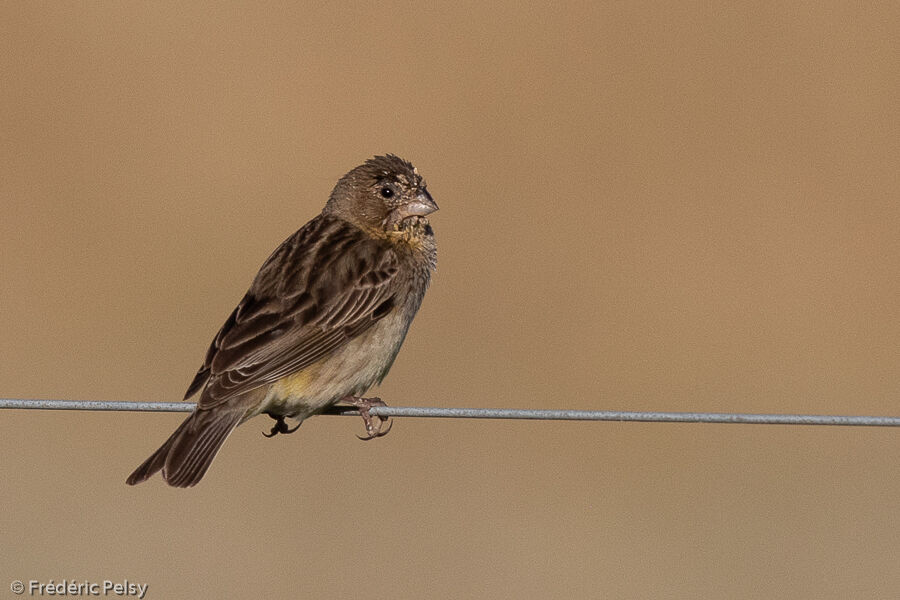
(322, 321)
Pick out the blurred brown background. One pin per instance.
(643, 208)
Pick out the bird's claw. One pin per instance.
(280, 426)
(373, 429)
(377, 433)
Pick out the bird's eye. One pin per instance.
(386, 192)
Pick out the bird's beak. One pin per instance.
(422, 205)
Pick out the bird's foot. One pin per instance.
(280, 426)
(373, 428)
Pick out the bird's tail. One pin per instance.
(188, 452)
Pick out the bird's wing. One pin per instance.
(322, 287)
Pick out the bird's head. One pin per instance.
(384, 193)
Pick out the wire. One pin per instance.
(492, 413)
(97, 405)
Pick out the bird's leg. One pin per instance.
(280, 426)
(373, 430)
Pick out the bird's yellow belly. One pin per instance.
(350, 371)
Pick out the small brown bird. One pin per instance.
(321, 323)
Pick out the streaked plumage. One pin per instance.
(323, 319)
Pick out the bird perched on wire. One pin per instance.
(321, 323)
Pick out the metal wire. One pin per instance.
(493, 413)
(97, 405)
